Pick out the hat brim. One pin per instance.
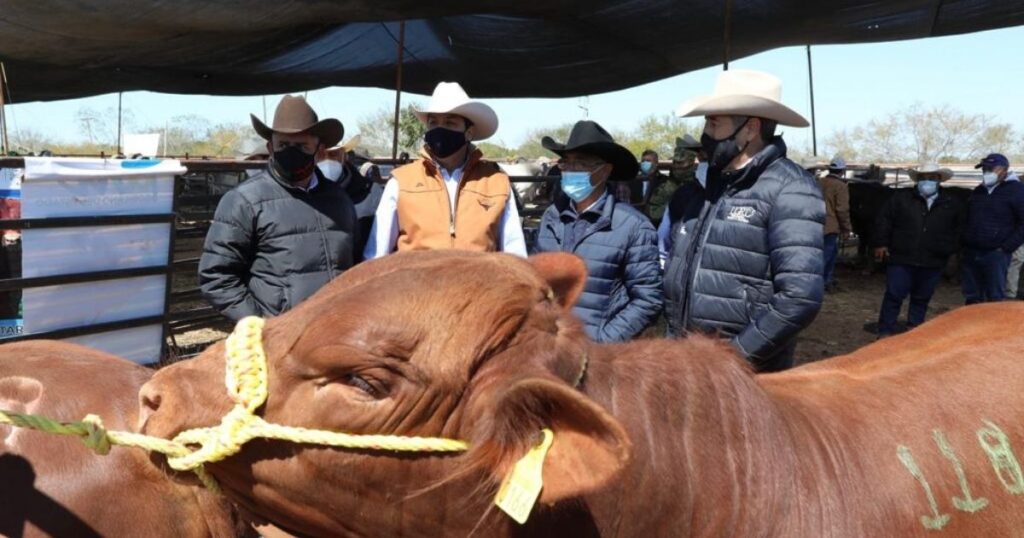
(741, 105)
(624, 163)
(945, 174)
(485, 121)
(328, 131)
(351, 145)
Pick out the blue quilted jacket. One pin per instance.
(747, 258)
(622, 295)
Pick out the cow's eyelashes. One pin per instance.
(371, 388)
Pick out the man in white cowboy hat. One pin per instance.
(450, 198)
(617, 242)
(837, 214)
(282, 234)
(746, 257)
(338, 165)
(917, 230)
(995, 230)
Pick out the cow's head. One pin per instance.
(478, 347)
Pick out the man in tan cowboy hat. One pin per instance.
(279, 236)
(746, 256)
(450, 197)
(917, 231)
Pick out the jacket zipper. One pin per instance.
(698, 252)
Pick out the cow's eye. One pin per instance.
(363, 384)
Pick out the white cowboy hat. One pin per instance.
(744, 93)
(945, 174)
(450, 98)
(352, 144)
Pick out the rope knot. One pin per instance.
(95, 435)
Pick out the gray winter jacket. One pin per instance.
(747, 258)
(272, 245)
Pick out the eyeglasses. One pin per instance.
(579, 165)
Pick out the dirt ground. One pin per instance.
(848, 316)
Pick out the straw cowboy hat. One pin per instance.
(590, 138)
(450, 98)
(744, 93)
(351, 145)
(930, 169)
(295, 116)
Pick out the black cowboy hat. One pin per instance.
(294, 115)
(590, 138)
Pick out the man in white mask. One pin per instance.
(995, 230)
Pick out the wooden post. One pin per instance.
(4, 144)
(814, 123)
(727, 38)
(119, 94)
(398, 89)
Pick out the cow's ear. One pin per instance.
(565, 274)
(589, 448)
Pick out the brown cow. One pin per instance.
(912, 433)
(54, 486)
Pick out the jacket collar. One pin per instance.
(735, 180)
(473, 157)
(319, 177)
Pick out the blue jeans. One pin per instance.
(831, 253)
(984, 275)
(903, 280)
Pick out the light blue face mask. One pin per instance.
(646, 167)
(927, 187)
(576, 185)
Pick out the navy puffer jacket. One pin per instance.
(622, 295)
(747, 258)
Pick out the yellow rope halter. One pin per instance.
(246, 379)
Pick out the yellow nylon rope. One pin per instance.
(246, 380)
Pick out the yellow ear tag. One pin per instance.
(521, 488)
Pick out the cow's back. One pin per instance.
(942, 405)
(54, 485)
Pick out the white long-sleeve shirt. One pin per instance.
(383, 238)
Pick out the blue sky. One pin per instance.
(978, 73)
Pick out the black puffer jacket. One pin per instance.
(272, 245)
(916, 235)
(747, 257)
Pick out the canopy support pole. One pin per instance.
(4, 145)
(398, 89)
(814, 123)
(728, 34)
(119, 95)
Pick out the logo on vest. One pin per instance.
(486, 204)
(420, 184)
(741, 214)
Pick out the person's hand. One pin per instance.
(881, 253)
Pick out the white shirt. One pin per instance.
(383, 238)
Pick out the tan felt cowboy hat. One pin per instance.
(450, 98)
(930, 170)
(294, 116)
(351, 145)
(744, 93)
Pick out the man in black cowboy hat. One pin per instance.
(282, 234)
(623, 290)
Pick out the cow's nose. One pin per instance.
(149, 403)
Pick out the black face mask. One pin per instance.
(293, 164)
(444, 142)
(721, 152)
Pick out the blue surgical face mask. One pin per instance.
(576, 185)
(702, 174)
(646, 167)
(927, 187)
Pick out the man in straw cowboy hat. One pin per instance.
(837, 214)
(622, 295)
(279, 236)
(450, 197)
(995, 230)
(917, 230)
(746, 258)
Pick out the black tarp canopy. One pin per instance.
(495, 48)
